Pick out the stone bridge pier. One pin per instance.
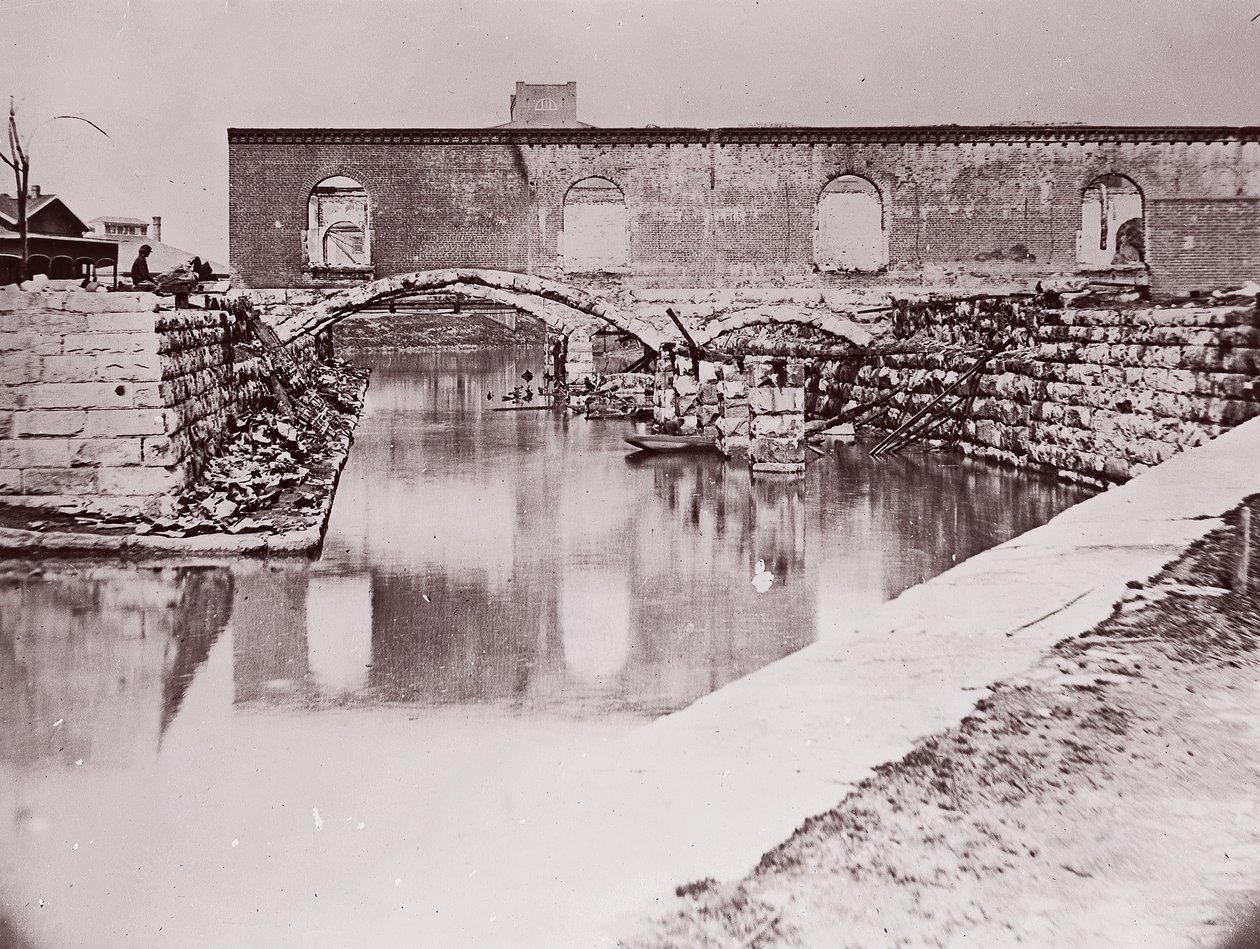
(753, 407)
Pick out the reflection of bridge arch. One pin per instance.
(545, 299)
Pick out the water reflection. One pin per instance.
(514, 559)
(496, 589)
(522, 560)
(95, 661)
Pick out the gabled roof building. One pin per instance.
(57, 244)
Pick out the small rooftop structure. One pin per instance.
(123, 226)
(546, 106)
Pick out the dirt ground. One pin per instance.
(1110, 797)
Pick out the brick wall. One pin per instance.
(104, 399)
(1099, 394)
(710, 207)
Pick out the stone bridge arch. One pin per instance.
(550, 301)
(826, 322)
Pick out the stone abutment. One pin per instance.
(110, 402)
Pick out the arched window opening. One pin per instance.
(10, 267)
(850, 231)
(1113, 225)
(61, 268)
(338, 233)
(596, 228)
(546, 105)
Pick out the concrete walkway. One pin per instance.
(704, 792)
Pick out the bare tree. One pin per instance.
(19, 159)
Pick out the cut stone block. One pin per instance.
(77, 481)
(98, 452)
(769, 467)
(770, 401)
(49, 423)
(137, 481)
(106, 422)
(777, 450)
(34, 453)
(779, 425)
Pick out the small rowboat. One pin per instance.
(672, 442)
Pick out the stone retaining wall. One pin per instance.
(107, 401)
(1099, 394)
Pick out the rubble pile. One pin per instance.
(616, 395)
(274, 472)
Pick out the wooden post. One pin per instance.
(691, 343)
(1242, 562)
(905, 429)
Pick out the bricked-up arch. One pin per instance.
(1113, 223)
(545, 299)
(829, 323)
(849, 233)
(337, 239)
(596, 230)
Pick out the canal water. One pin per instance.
(382, 747)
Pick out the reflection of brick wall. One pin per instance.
(711, 206)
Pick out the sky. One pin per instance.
(166, 78)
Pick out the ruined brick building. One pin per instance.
(1176, 206)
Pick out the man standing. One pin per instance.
(141, 279)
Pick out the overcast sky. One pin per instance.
(166, 79)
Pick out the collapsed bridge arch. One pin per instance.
(831, 324)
